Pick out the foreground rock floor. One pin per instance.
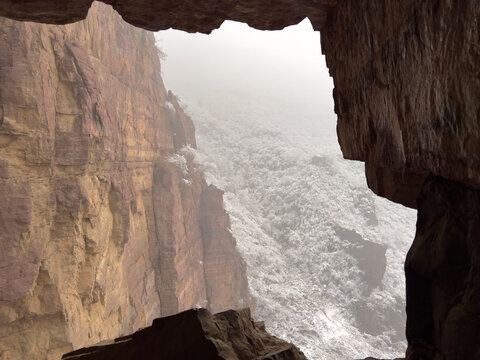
(195, 334)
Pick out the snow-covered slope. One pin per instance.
(304, 219)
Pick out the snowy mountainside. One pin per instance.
(288, 195)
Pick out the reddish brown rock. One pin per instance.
(406, 90)
(20, 253)
(195, 334)
(100, 230)
(224, 268)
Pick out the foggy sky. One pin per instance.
(237, 60)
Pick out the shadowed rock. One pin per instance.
(188, 15)
(369, 255)
(442, 273)
(195, 334)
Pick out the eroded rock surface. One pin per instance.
(105, 223)
(406, 90)
(188, 15)
(196, 334)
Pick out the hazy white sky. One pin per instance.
(237, 60)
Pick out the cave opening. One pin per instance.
(324, 254)
(401, 70)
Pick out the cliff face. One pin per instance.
(105, 223)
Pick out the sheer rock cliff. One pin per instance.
(105, 222)
(407, 85)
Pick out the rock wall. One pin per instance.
(406, 90)
(105, 223)
(406, 94)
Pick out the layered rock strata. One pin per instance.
(196, 334)
(105, 223)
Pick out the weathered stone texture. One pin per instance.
(196, 334)
(188, 15)
(99, 231)
(407, 83)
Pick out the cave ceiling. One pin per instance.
(188, 15)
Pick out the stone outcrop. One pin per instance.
(406, 90)
(370, 256)
(223, 267)
(196, 334)
(105, 223)
(406, 94)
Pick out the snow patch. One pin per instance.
(180, 162)
(170, 106)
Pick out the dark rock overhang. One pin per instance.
(188, 15)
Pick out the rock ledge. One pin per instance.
(195, 334)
